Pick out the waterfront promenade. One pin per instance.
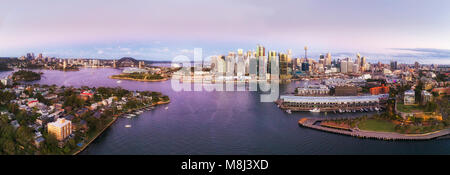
(311, 123)
(95, 137)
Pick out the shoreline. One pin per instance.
(112, 122)
(96, 136)
(310, 123)
(126, 78)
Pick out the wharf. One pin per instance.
(311, 123)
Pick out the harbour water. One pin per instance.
(222, 123)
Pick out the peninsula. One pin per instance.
(42, 119)
(25, 75)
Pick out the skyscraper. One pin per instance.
(328, 59)
(260, 51)
(393, 65)
(272, 57)
(363, 61)
(350, 66)
(240, 52)
(416, 65)
(283, 64)
(358, 59)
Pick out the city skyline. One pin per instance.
(162, 30)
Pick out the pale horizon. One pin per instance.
(159, 30)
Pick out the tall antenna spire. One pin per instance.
(306, 49)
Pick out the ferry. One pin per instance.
(315, 110)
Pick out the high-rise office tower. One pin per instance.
(305, 66)
(344, 65)
(321, 59)
(64, 64)
(240, 52)
(349, 66)
(363, 62)
(289, 53)
(230, 62)
(283, 64)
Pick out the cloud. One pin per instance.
(422, 52)
(160, 50)
(125, 49)
(187, 51)
(100, 52)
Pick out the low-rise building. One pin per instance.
(346, 91)
(15, 124)
(38, 141)
(379, 90)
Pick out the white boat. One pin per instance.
(289, 111)
(127, 126)
(166, 108)
(119, 81)
(315, 110)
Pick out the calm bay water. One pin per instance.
(222, 123)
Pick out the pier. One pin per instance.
(311, 123)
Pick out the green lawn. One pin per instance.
(407, 108)
(377, 125)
